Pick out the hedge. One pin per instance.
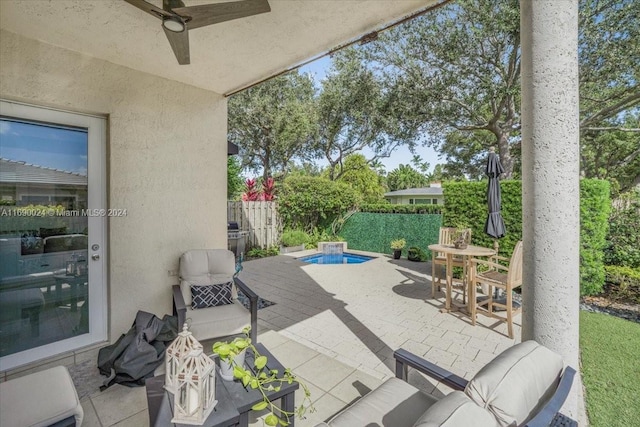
(595, 206)
(465, 204)
(623, 241)
(374, 232)
(401, 209)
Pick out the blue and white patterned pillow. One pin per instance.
(211, 295)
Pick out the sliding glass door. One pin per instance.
(52, 232)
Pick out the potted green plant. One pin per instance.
(230, 354)
(397, 245)
(293, 241)
(259, 378)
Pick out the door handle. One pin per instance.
(95, 257)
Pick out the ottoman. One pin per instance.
(41, 399)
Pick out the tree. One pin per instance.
(613, 155)
(458, 69)
(404, 176)
(273, 123)
(362, 178)
(235, 182)
(355, 112)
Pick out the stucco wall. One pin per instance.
(166, 163)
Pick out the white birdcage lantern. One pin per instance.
(177, 350)
(195, 393)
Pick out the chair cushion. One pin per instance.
(394, 404)
(213, 322)
(454, 410)
(211, 295)
(517, 383)
(205, 267)
(39, 399)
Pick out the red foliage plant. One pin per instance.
(268, 189)
(251, 193)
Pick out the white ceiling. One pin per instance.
(225, 56)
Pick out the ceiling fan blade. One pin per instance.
(150, 9)
(208, 14)
(179, 42)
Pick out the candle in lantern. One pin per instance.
(194, 400)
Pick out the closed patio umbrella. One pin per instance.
(494, 226)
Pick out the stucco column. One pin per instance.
(550, 177)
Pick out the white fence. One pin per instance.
(260, 219)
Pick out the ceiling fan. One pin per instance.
(178, 19)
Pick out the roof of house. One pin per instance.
(12, 171)
(424, 191)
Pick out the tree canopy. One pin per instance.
(458, 69)
(357, 173)
(356, 112)
(404, 176)
(273, 123)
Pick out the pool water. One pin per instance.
(344, 258)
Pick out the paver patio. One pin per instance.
(337, 326)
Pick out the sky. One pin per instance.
(402, 155)
(47, 146)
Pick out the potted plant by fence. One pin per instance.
(264, 380)
(293, 240)
(397, 245)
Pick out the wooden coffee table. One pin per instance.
(234, 400)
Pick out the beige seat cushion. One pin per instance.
(394, 404)
(455, 410)
(218, 321)
(516, 384)
(39, 399)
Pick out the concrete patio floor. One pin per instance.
(337, 326)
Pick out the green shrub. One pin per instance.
(322, 236)
(624, 282)
(466, 203)
(417, 254)
(263, 253)
(308, 202)
(373, 232)
(623, 240)
(595, 206)
(403, 209)
(294, 238)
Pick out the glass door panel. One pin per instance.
(47, 279)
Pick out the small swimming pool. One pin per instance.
(344, 258)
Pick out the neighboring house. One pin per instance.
(26, 184)
(416, 196)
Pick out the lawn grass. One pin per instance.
(610, 349)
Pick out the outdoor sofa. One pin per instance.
(523, 386)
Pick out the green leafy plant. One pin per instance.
(624, 282)
(397, 244)
(416, 254)
(263, 253)
(294, 238)
(264, 380)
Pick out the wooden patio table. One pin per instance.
(450, 251)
